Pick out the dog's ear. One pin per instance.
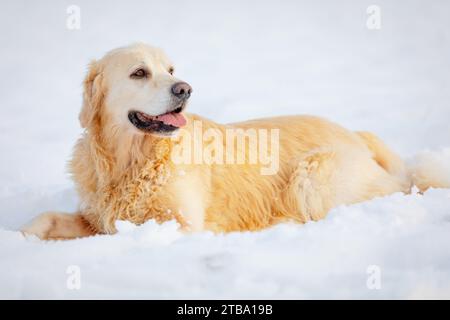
(93, 94)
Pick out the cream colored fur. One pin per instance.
(121, 173)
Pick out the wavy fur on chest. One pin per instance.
(123, 189)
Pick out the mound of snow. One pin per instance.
(404, 240)
(431, 168)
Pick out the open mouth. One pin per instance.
(163, 124)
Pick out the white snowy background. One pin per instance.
(244, 59)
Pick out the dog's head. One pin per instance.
(135, 88)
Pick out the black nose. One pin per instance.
(181, 90)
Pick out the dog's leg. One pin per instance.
(59, 226)
(326, 178)
(310, 191)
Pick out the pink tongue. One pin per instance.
(173, 119)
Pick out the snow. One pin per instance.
(244, 60)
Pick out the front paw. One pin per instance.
(57, 226)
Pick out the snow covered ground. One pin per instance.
(264, 58)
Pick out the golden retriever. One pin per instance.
(135, 126)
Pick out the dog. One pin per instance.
(134, 118)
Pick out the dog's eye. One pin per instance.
(171, 70)
(139, 74)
